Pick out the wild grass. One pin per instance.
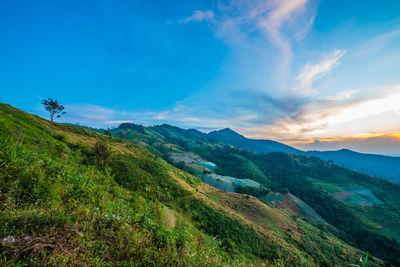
(67, 204)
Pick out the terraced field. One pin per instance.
(350, 193)
(294, 205)
(359, 195)
(227, 183)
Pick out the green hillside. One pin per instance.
(362, 210)
(82, 198)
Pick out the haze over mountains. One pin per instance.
(381, 166)
(388, 145)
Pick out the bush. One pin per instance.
(102, 153)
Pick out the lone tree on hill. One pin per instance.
(55, 109)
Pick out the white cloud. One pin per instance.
(199, 16)
(282, 11)
(87, 114)
(343, 95)
(310, 73)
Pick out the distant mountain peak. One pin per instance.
(226, 131)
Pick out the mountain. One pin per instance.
(362, 210)
(258, 146)
(81, 198)
(377, 165)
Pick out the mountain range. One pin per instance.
(377, 165)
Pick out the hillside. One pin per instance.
(82, 198)
(376, 165)
(362, 210)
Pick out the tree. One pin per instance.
(285, 191)
(55, 109)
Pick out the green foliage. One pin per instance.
(234, 236)
(147, 175)
(285, 191)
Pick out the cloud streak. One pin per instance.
(311, 73)
(199, 16)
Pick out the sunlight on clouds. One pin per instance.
(345, 116)
(368, 108)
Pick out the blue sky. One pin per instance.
(290, 70)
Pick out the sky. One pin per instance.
(312, 74)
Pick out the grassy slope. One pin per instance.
(63, 210)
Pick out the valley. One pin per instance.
(352, 205)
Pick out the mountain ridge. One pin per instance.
(374, 164)
(256, 145)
